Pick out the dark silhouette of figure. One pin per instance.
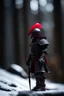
(37, 59)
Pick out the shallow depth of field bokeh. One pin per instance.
(16, 18)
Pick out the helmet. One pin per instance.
(35, 30)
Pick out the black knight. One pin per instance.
(37, 59)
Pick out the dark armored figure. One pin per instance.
(37, 59)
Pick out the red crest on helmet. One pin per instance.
(37, 25)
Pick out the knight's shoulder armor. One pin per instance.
(43, 42)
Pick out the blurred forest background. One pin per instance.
(16, 18)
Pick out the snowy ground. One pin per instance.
(11, 85)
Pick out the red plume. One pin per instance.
(37, 25)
